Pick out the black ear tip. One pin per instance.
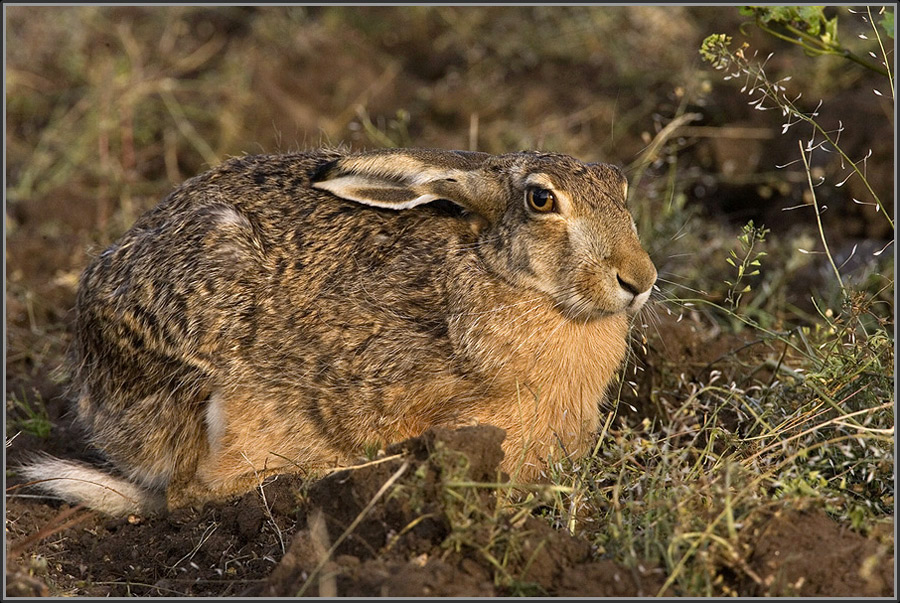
(618, 172)
(323, 171)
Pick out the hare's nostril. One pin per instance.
(627, 286)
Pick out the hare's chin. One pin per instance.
(638, 302)
(588, 312)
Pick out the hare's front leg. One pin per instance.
(195, 491)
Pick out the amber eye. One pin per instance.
(540, 200)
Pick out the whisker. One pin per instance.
(678, 233)
(685, 287)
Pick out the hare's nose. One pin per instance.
(636, 280)
(628, 286)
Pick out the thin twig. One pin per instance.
(52, 528)
(184, 125)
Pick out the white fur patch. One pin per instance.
(351, 188)
(215, 420)
(640, 299)
(79, 483)
(228, 216)
(420, 200)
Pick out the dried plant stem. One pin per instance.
(888, 72)
(771, 91)
(185, 127)
(56, 525)
(812, 191)
(362, 514)
(651, 152)
(856, 169)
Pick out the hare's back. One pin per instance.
(249, 258)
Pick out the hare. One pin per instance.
(281, 313)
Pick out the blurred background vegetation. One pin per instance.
(108, 108)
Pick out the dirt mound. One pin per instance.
(418, 525)
(805, 553)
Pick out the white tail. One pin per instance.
(90, 486)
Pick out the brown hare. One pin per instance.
(280, 313)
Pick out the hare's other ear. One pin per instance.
(404, 178)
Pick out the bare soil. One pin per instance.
(237, 548)
(276, 541)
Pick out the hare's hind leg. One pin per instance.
(250, 439)
(156, 440)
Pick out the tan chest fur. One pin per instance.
(548, 374)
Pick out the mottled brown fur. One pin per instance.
(316, 325)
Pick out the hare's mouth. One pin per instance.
(577, 306)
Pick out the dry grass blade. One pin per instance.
(56, 525)
(362, 514)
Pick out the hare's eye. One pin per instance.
(540, 200)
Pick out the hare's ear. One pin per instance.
(404, 178)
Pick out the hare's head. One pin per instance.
(545, 222)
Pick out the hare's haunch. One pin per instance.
(281, 313)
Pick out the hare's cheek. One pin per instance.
(597, 285)
(584, 292)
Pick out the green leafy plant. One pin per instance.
(811, 30)
(28, 415)
(887, 23)
(747, 264)
(806, 421)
